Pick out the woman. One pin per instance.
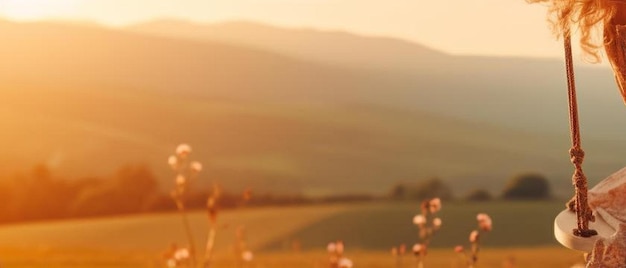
(601, 23)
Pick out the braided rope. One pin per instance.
(577, 155)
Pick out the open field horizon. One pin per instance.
(369, 227)
(535, 257)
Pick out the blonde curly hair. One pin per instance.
(590, 17)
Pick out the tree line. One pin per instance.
(525, 186)
(40, 195)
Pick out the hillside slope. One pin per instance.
(333, 48)
(522, 93)
(92, 100)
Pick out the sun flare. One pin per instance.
(35, 9)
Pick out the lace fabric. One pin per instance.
(608, 199)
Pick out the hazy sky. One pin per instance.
(485, 27)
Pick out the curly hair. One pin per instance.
(590, 17)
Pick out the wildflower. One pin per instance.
(173, 161)
(417, 248)
(474, 236)
(484, 225)
(178, 163)
(419, 219)
(437, 223)
(434, 205)
(212, 209)
(339, 247)
(171, 263)
(484, 222)
(345, 263)
(183, 150)
(331, 248)
(181, 254)
(174, 194)
(394, 251)
(181, 180)
(247, 195)
(196, 166)
(402, 249)
(459, 249)
(428, 225)
(247, 256)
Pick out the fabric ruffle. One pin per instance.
(608, 199)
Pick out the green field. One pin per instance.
(522, 231)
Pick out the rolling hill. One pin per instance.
(523, 93)
(86, 100)
(330, 48)
(362, 226)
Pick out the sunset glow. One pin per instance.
(482, 27)
(35, 9)
(325, 133)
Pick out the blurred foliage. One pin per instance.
(479, 195)
(39, 195)
(422, 190)
(130, 190)
(527, 186)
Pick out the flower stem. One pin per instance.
(188, 233)
(210, 243)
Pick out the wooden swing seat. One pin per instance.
(565, 222)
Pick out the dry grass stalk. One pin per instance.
(471, 256)
(212, 211)
(186, 170)
(428, 224)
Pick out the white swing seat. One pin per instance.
(565, 223)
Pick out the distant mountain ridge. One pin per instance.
(326, 47)
(523, 93)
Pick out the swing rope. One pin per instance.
(580, 204)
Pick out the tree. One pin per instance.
(424, 189)
(431, 188)
(40, 195)
(478, 195)
(6, 206)
(527, 186)
(132, 189)
(398, 191)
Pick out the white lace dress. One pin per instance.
(608, 199)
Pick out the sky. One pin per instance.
(468, 27)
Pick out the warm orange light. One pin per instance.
(34, 9)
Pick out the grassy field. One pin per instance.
(522, 232)
(541, 257)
